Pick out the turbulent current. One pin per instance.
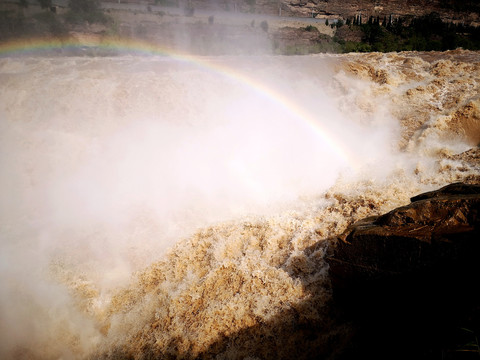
(169, 207)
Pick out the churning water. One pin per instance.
(158, 207)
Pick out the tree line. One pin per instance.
(425, 33)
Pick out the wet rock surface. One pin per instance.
(406, 279)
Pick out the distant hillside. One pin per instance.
(449, 10)
(462, 11)
(219, 27)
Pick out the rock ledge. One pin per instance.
(407, 281)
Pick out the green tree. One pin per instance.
(85, 11)
(310, 28)
(45, 4)
(264, 25)
(251, 3)
(85, 6)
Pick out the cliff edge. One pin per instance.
(409, 278)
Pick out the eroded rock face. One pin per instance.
(365, 8)
(438, 229)
(405, 279)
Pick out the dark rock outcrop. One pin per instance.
(439, 229)
(409, 279)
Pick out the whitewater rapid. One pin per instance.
(178, 208)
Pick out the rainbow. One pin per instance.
(28, 46)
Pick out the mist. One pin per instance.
(108, 162)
